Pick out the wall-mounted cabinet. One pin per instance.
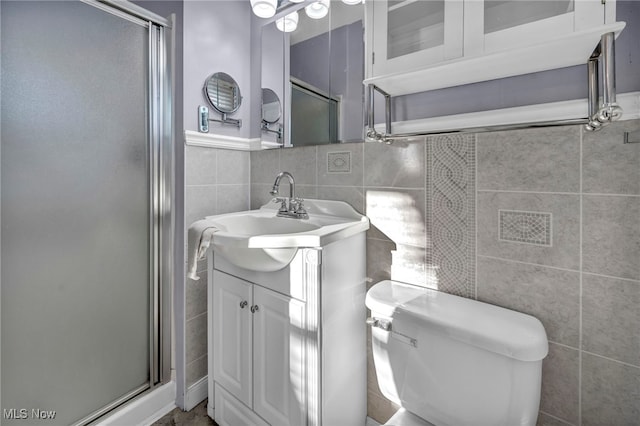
(409, 34)
(414, 46)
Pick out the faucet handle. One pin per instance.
(297, 205)
(283, 203)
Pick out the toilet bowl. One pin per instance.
(448, 360)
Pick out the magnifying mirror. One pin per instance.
(223, 92)
(271, 108)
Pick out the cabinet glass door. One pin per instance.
(494, 25)
(501, 14)
(411, 33)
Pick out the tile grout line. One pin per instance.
(556, 418)
(616, 361)
(631, 280)
(475, 212)
(529, 263)
(515, 191)
(598, 194)
(564, 345)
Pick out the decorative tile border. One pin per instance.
(450, 211)
(525, 227)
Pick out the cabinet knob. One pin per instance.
(254, 309)
(243, 304)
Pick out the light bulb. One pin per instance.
(289, 23)
(317, 10)
(264, 8)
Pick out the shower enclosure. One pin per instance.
(86, 233)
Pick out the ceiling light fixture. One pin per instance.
(289, 23)
(264, 8)
(317, 10)
(351, 2)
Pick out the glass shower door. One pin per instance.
(76, 211)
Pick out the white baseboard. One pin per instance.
(196, 393)
(145, 410)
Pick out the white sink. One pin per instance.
(258, 240)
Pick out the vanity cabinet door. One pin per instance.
(408, 34)
(279, 358)
(232, 348)
(494, 25)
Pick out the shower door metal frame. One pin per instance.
(161, 205)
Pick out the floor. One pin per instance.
(199, 417)
(196, 417)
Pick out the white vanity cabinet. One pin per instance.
(289, 347)
(259, 355)
(452, 36)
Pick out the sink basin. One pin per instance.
(248, 224)
(258, 240)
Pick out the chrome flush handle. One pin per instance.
(380, 323)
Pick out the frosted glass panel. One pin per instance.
(75, 214)
(414, 26)
(499, 15)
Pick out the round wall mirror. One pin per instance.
(223, 92)
(271, 109)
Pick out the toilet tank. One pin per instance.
(456, 361)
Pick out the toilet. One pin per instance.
(451, 361)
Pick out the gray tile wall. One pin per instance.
(216, 182)
(410, 192)
(584, 287)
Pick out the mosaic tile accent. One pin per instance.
(450, 213)
(525, 227)
(339, 162)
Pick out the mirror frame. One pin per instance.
(210, 96)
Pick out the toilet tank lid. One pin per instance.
(510, 333)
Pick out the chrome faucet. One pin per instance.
(294, 208)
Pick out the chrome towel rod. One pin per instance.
(599, 115)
